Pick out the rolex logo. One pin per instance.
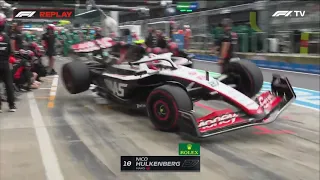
(189, 147)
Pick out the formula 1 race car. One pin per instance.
(168, 91)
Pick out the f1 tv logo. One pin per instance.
(28, 14)
(289, 13)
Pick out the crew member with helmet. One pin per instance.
(161, 40)
(98, 34)
(5, 72)
(48, 41)
(228, 42)
(151, 40)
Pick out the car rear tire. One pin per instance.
(76, 77)
(163, 105)
(246, 75)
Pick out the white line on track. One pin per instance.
(49, 157)
(268, 69)
(306, 107)
(55, 81)
(309, 74)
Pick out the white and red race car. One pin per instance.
(168, 91)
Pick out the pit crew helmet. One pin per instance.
(50, 27)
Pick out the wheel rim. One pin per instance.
(161, 110)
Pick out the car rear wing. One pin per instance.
(272, 104)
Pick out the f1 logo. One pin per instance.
(25, 14)
(190, 163)
(282, 13)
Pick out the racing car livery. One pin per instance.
(168, 91)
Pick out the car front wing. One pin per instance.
(273, 103)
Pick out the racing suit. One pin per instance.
(5, 72)
(151, 41)
(162, 43)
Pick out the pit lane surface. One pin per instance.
(88, 139)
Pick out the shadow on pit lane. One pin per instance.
(243, 135)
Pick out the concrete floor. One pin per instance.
(86, 140)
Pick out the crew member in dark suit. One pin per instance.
(5, 72)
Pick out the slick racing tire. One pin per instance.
(76, 77)
(246, 75)
(163, 105)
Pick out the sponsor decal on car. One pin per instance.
(192, 73)
(266, 101)
(141, 106)
(218, 122)
(117, 89)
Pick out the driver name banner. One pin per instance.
(160, 163)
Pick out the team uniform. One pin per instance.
(49, 40)
(18, 38)
(232, 38)
(98, 34)
(5, 71)
(151, 41)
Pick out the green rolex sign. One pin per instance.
(189, 149)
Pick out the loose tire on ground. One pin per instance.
(250, 74)
(76, 77)
(163, 105)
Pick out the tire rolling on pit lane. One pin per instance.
(76, 77)
(164, 104)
